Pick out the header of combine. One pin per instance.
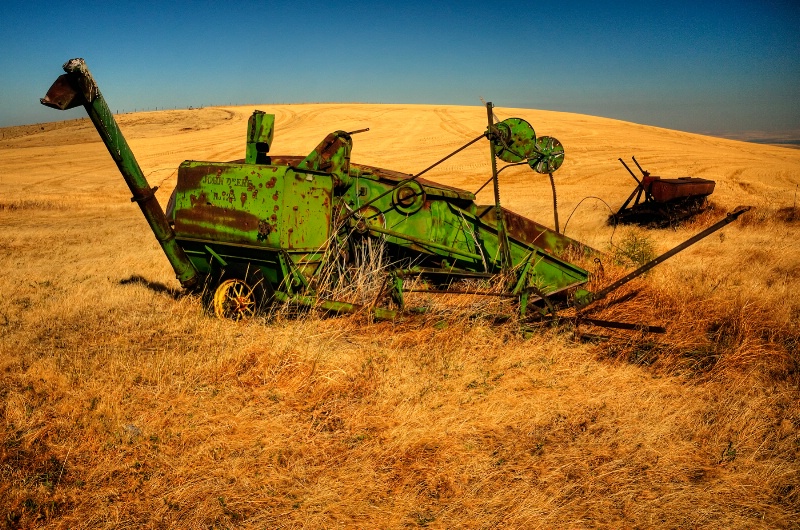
(268, 228)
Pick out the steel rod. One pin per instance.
(665, 256)
(502, 238)
(413, 178)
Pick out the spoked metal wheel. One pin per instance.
(235, 300)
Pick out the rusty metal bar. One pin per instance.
(425, 243)
(630, 198)
(334, 306)
(599, 295)
(412, 178)
(641, 187)
(644, 173)
(621, 325)
(631, 172)
(555, 202)
(450, 291)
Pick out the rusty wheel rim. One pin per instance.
(234, 300)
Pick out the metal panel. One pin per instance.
(268, 206)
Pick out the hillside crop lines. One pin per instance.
(124, 404)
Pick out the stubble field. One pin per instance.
(124, 405)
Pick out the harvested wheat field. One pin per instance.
(125, 405)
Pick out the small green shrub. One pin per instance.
(634, 250)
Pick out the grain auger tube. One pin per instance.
(77, 87)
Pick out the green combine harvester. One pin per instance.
(269, 229)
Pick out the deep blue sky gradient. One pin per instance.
(693, 66)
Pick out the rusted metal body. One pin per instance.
(524, 229)
(668, 190)
(665, 201)
(270, 228)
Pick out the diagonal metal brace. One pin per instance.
(729, 218)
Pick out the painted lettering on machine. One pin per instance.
(262, 205)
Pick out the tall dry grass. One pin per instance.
(125, 405)
(730, 305)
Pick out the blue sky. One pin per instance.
(693, 66)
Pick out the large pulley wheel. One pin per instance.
(234, 300)
(513, 140)
(549, 156)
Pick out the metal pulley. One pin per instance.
(513, 140)
(549, 155)
(408, 197)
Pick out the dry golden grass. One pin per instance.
(122, 404)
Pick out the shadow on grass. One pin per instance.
(157, 287)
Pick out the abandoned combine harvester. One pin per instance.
(268, 228)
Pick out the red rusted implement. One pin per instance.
(666, 201)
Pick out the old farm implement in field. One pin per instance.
(270, 229)
(666, 201)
